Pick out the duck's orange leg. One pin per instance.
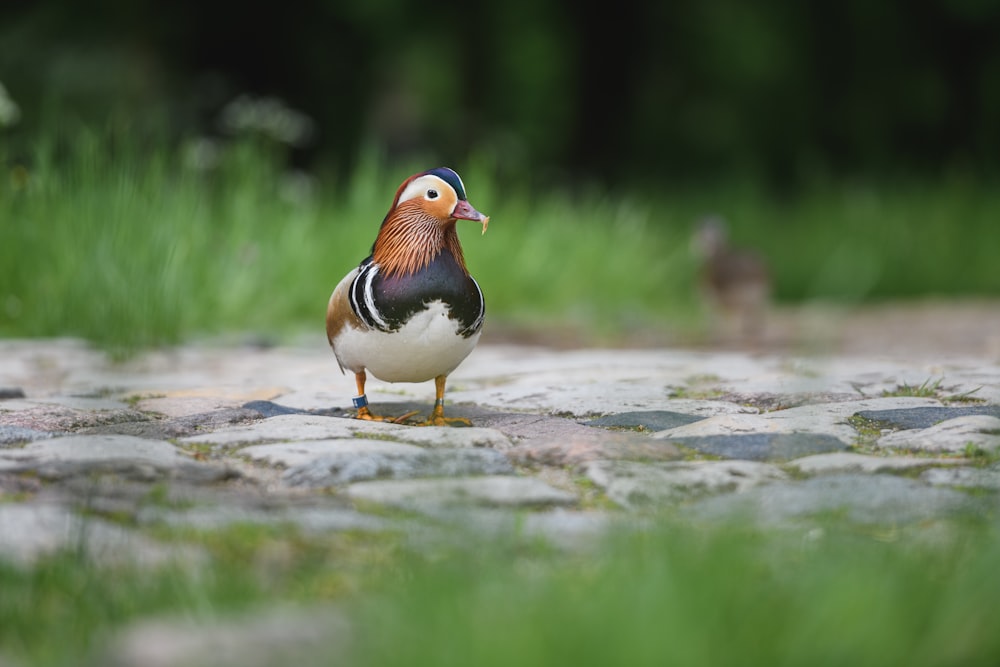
(437, 417)
(361, 403)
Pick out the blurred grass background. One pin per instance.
(130, 243)
(668, 594)
(169, 177)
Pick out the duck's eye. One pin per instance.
(432, 194)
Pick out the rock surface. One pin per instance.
(565, 443)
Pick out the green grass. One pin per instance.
(674, 594)
(125, 243)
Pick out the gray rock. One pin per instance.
(7, 393)
(822, 418)
(273, 636)
(177, 427)
(312, 519)
(841, 462)
(865, 499)
(12, 435)
(650, 420)
(343, 469)
(33, 530)
(86, 448)
(558, 441)
(67, 415)
(433, 494)
(973, 478)
(311, 427)
(303, 452)
(952, 435)
(763, 446)
(633, 485)
(924, 417)
(127, 456)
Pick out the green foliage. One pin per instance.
(925, 389)
(695, 597)
(130, 243)
(671, 593)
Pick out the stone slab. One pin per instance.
(433, 494)
(344, 469)
(925, 416)
(126, 456)
(952, 435)
(863, 499)
(634, 485)
(649, 420)
(86, 448)
(261, 638)
(965, 477)
(823, 418)
(312, 519)
(846, 462)
(33, 530)
(763, 446)
(291, 454)
(12, 435)
(295, 427)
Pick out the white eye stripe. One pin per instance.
(422, 187)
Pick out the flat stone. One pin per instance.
(864, 499)
(821, 418)
(33, 530)
(973, 478)
(843, 462)
(7, 393)
(346, 468)
(763, 446)
(267, 637)
(312, 519)
(291, 454)
(271, 409)
(432, 494)
(633, 485)
(127, 456)
(184, 406)
(84, 448)
(560, 527)
(311, 427)
(650, 420)
(10, 435)
(952, 435)
(924, 417)
(557, 441)
(177, 427)
(16, 484)
(59, 417)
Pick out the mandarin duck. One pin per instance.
(411, 312)
(735, 281)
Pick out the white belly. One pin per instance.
(425, 347)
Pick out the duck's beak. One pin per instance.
(464, 211)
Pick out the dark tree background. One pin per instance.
(637, 92)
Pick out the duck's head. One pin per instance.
(421, 222)
(438, 193)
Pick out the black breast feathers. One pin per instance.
(387, 303)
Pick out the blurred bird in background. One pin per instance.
(411, 312)
(735, 283)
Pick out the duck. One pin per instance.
(411, 311)
(734, 281)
